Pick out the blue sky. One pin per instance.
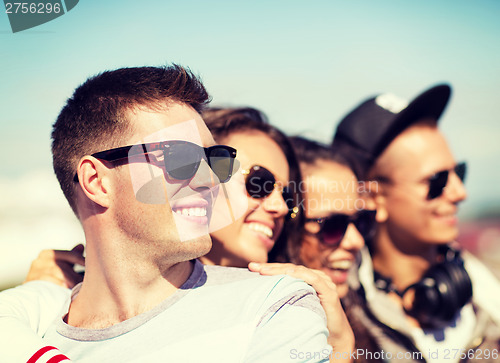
(304, 64)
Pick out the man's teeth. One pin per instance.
(192, 212)
(262, 229)
(341, 265)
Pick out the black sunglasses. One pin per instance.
(181, 159)
(333, 228)
(438, 181)
(260, 183)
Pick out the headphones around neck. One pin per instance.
(443, 290)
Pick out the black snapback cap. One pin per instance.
(368, 129)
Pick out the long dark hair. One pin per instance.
(225, 121)
(309, 152)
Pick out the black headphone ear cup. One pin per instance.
(461, 280)
(426, 300)
(435, 297)
(444, 289)
(446, 285)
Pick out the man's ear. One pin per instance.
(375, 199)
(92, 176)
(368, 194)
(380, 201)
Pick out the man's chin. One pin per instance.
(199, 246)
(449, 235)
(441, 239)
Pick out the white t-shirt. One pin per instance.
(220, 314)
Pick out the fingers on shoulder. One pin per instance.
(315, 278)
(72, 257)
(46, 255)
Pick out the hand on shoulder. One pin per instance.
(341, 336)
(57, 266)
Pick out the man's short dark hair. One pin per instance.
(95, 117)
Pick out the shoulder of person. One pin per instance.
(34, 304)
(37, 290)
(485, 286)
(266, 295)
(219, 275)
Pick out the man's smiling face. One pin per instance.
(168, 214)
(411, 217)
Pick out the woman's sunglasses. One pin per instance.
(438, 181)
(180, 159)
(260, 183)
(333, 228)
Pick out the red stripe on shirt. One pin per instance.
(58, 358)
(39, 353)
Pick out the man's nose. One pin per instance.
(455, 188)
(204, 177)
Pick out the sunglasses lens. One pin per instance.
(221, 162)
(259, 182)
(365, 223)
(461, 170)
(334, 229)
(182, 160)
(437, 183)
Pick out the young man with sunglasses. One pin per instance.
(140, 170)
(421, 298)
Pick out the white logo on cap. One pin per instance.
(391, 102)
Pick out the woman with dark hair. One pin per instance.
(274, 218)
